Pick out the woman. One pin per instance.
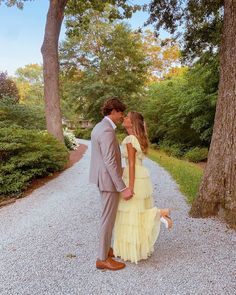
(137, 223)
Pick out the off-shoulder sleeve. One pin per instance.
(134, 141)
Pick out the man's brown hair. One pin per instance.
(112, 104)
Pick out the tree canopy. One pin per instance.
(198, 22)
(105, 59)
(29, 81)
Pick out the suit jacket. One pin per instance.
(105, 165)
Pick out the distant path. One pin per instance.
(41, 233)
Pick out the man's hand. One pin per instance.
(127, 194)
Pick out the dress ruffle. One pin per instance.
(136, 233)
(137, 223)
(133, 140)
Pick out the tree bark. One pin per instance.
(51, 67)
(217, 193)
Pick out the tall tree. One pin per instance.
(50, 63)
(105, 59)
(51, 67)
(78, 10)
(217, 194)
(50, 47)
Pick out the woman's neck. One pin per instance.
(130, 131)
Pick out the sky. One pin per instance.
(22, 32)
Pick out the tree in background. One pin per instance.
(77, 10)
(29, 80)
(180, 110)
(163, 56)
(105, 59)
(8, 88)
(49, 48)
(217, 194)
(200, 23)
(49, 51)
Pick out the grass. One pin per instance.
(186, 174)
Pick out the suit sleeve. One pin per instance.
(107, 145)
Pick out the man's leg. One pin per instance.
(110, 202)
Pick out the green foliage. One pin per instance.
(163, 55)
(29, 80)
(78, 13)
(154, 146)
(196, 154)
(82, 133)
(26, 150)
(104, 60)
(172, 149)
(26, 155)
(68, 142)
(181, 110)
(200, 23)
(85, 133)
(187, 175)
(18, 3)
(69, 139)
(28, 117)
(8, 88)
(166, 120)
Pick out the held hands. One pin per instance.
(127, 193)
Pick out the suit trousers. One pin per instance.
(110, 201)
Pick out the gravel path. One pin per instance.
(48, 244)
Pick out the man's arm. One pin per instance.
(107, 144)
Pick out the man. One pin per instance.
(106, 173)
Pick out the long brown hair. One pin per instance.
(140, 130)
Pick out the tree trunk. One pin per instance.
(217, 194)
(51, 67)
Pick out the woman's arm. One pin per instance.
(131, 159)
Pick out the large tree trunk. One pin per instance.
(217, 194)
(51, 67)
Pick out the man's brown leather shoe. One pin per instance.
(110, 253)
(110, 264)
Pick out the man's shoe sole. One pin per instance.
(102, 267)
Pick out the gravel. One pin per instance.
(48, 244)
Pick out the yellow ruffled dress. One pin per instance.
(137, 223)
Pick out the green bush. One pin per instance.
(82, 133)
(196, 154)
(69, 139)
(68, 142)
(175, 150)
(26, 155)
(28, 117)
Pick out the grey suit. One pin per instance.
(106, 173)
